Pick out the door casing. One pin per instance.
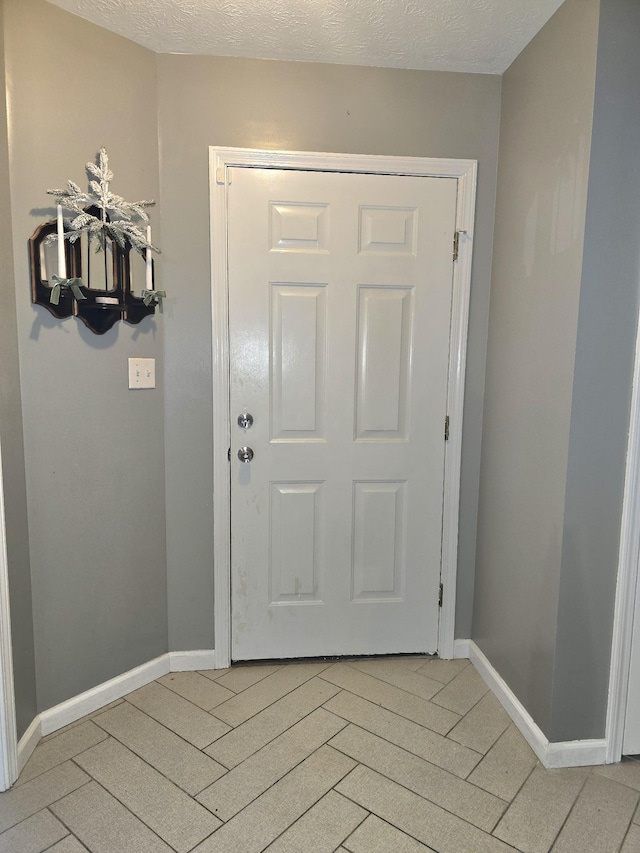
(8, 734)
(627, 582)
(465, 172)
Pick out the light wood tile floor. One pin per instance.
(392, 755)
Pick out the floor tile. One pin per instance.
(322, 828)
(415, 816)
(240, 678)
(271, 814)
(440, 787)
(627, 772)
(176, 759)
(183, 717)
(160, 804)
(267, 691)
(34, 834)
(360, 756)
(104, 825)
(539, 810)
(412, 662)
(399, 701)
(20, 803)
(599, 819)
(248, 780)
(61, 749)
(68, 845)
(632, 841)
(214, 674)
(462, 692)
(376, 836)
(482, 726)
(411, 736)
(506, 766)
(443, 670)
(203, 692)
(258, 731)
(399, 676)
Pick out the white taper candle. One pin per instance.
(62, 263)
(148, 261)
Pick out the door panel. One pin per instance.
(297, 357)
(385, 320)
(339, 319)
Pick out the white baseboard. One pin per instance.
(191, 661)
(574, 753)
(568, 754)
(28, 743)
(92, 700)
(461, 649)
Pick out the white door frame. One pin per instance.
(628, 571)
(8, 734)
(465, 172)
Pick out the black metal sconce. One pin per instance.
(98, 308)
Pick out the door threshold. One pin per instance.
(334, 658)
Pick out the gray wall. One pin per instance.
(13, 449)
(207, 101)
(547, 109)
(95, 467)
(94, 449)
(602, 383)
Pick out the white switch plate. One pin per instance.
(142, 373)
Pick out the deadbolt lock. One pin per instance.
(245, 420)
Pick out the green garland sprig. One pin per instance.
(119, 225)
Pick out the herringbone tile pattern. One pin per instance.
(393, 755)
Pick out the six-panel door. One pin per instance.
(340, 304)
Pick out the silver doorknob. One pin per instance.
(245, 454)
(245, 420)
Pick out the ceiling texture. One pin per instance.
(481, 36)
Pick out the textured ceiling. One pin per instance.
(447, 35)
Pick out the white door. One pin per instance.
(340, 290)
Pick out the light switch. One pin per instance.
(142, 373)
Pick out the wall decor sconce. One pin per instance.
(100, 255)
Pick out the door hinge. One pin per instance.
(229, 455)
(446, 428)
(456, 243)
(440, 597)
(223, 175)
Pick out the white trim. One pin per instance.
(575, 753)
(8, 733)
(629, 556)
(221, 421)
(97, 697)
(465, 172)
(28, 743)
(192, 661)
(461, 649)
(467, 178)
